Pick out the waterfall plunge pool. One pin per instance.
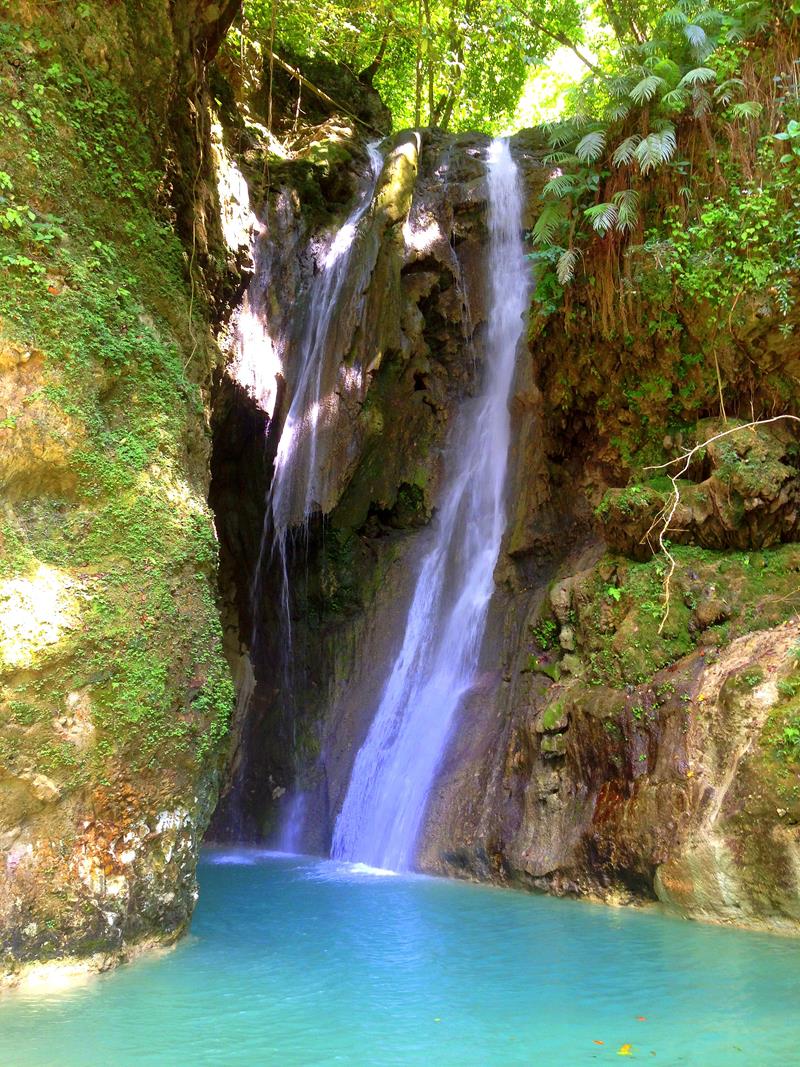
(296, 961)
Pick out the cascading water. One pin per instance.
(296, 488)
(395, 768)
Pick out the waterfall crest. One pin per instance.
(396, 766)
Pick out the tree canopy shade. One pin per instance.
(463, 64)
(457, 64)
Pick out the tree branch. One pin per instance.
(303, 80)
(556, 35)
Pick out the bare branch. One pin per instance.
(667, 514)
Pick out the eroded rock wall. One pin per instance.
(600, 752)
(114, 692)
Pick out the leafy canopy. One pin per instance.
(457, 64)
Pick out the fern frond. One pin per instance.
(747, 109)
(646, 89)
(627, 201)
(552, 216)
(565, 268)
(656, 149)
(698, 76)
(560, 185)
(590, 147)
(602, 217)
(625, 151)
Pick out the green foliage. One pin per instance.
(619, 636)
(669, 75)
(546, 633)
(457, 64)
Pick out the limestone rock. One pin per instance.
(746, 496)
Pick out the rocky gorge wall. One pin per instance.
(598, 753)
(114, 691)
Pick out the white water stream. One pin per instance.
(296, 483)
(396, 766)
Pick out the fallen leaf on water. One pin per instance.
(598, 1042)
(624, 1050)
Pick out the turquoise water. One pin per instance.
(298, 961)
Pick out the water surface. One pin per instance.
(297, 962)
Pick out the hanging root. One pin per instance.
(664, 519)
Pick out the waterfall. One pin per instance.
(396, 766)
(296, 489)
(297, 486)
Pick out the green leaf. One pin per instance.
(625, 151)
(590, 147)
(602, 217)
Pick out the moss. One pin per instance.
(619, 636)
(97, 280)
(553, 716)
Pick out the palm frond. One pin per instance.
(627, 202)
(602, 217)
(747, 109)
(625, 150)
(617, 112)
(656, 149)
(675, 100)
(697, 38)
(646, 89)
(728, 89)
(698, 76)
(590, 147)
(674, 17)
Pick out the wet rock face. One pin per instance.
(598, 753)
(407, 350)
